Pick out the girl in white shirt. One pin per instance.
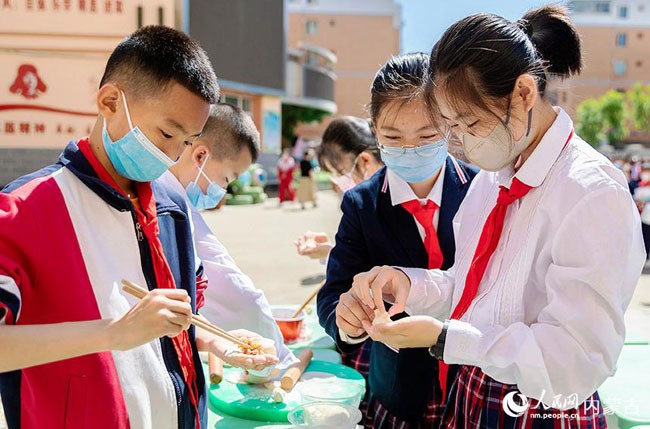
(548, 239)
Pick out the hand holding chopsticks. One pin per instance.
(140, 292)
(242, 349)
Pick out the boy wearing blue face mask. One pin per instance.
(75, 350)
(402, 213)
(229, 144)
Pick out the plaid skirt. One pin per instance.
(360, 361)
(381, 418)
(477, 401)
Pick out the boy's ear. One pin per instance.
(199, 152)
(108, 98)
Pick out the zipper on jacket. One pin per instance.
(169, 355)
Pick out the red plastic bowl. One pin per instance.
(289, 326)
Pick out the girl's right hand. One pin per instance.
(371, 287)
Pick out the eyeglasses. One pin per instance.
(428, 150)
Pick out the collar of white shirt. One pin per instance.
(401, 192)
(538, 165)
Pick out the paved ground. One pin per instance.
(260, 239)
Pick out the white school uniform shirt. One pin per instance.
(548, 314)
(231, 300)
(401, 192)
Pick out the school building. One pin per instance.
(615, 39)
(362, 35)
(53, 54)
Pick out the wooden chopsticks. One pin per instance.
(308, 300)
(140, 292)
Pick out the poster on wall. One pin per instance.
(271, 135)
(39, 108)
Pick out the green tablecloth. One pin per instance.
(323, 348)
(627, 394)
(633, 337)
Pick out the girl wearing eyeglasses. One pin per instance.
(402, 215)
(549, 245)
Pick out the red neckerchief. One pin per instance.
(148, 221)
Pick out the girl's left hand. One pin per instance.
(409, 332)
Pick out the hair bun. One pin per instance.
(556, 39)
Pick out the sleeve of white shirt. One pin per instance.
(431, 292)
(596, 259)
(231, 299)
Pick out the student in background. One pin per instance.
(306, 185)
(228, 146)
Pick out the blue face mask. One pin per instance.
(196, 196)
(415, 164)
(134, 156)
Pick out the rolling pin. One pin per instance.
(293, 374)
(215, 366)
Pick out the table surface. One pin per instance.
(627, 394)
(323, 348)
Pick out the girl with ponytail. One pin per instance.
(548, 240)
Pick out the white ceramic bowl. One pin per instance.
(334, 390)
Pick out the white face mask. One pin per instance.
(496, 150)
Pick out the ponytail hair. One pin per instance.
(344, 136)
(555, 38)
(479, 58)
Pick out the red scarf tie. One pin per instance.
(487, 244)
(424, 215)
(148, 220)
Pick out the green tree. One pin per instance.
(590, 123)
(293, 115)
(614, 110)
(639, 101)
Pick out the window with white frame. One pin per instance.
(242, 101)
(621, 39)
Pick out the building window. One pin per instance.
(639, 35)
(332, 23)
(622, 12)
(620, 67)
(639, 63)
(621, 39)
(312, 1)
(161, 16)
(590, 6)
(312, 27)
(243, 102)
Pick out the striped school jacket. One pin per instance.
(67, 238)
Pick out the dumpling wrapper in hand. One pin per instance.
(381, 317)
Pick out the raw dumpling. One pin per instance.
(381, 317)
(278, 395)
